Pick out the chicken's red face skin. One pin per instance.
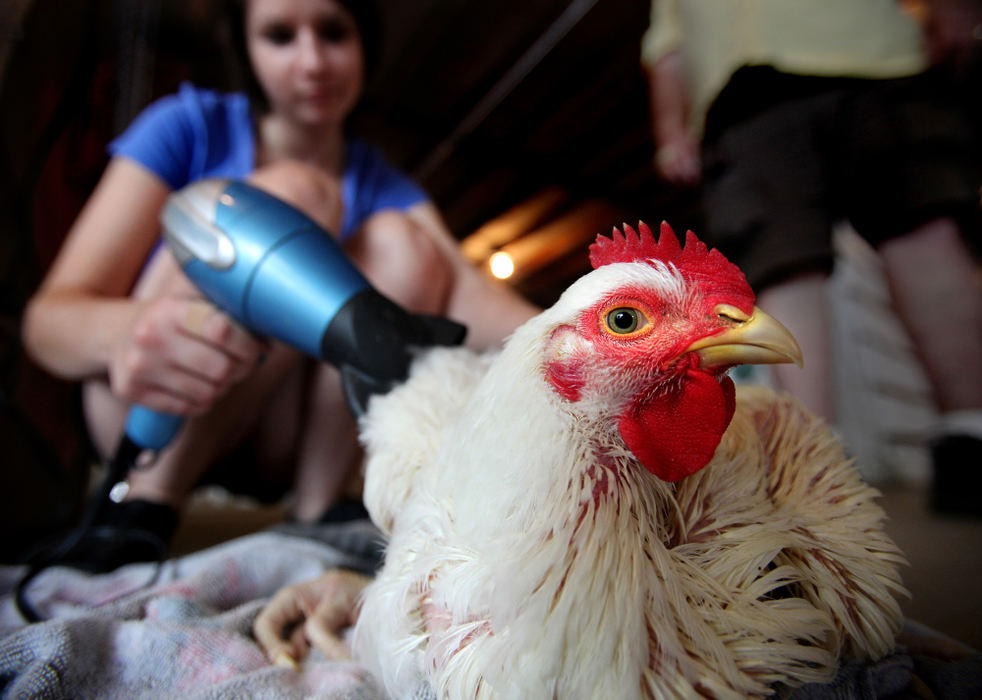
(676, 412)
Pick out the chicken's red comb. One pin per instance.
(695, 261)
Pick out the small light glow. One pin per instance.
(502, 266)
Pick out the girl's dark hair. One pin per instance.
(233, 12)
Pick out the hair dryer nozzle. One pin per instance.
(373, 341)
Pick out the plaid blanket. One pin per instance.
(186, 634)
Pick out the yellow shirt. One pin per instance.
(846, 38)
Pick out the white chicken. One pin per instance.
(568, 519)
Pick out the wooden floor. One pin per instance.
(945, 572)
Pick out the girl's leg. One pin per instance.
(403, 263)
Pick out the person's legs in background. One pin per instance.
(767, 208)
(935, 286)
(801, 304)
(911, 182)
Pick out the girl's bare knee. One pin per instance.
(162, 275)
(403, 262)
(306, 187)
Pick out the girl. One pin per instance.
(116, 313)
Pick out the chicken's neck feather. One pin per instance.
(570, 527)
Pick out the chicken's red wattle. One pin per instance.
(676, 435)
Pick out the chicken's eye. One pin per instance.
(624, 320)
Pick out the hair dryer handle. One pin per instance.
(151, 430)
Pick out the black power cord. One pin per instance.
(90, 534)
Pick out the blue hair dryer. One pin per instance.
(281, 275)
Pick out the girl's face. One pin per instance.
(307, 56)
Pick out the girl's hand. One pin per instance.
(181, 356)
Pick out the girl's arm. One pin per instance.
(82, 307)
(168, 350)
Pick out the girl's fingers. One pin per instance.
(204, 322)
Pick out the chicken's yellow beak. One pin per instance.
(758, 339)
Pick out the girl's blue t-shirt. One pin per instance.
(198, 133)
